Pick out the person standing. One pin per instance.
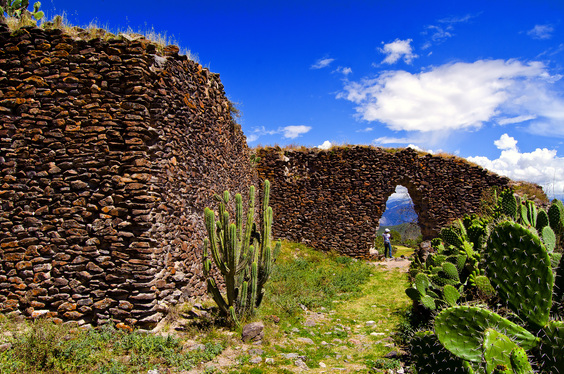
(387, 243)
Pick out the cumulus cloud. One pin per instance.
(398, 49)
(288, 132)
(542, 166)
(326, 145)
(322, 63)
(293, 132)
(458, 96)
(506, 143)
(541, 32)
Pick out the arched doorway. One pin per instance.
(401, 218)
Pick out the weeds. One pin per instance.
(46, 347)
(313, 281)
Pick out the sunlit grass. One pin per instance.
(94, 30)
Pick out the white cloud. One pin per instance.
(398, 49)
(293, 132)
(518, 119)
(391, 140)
(506, 143)
(399, 194)
(541, 32)
(322, 63)
(542, 166)
(344, 70)
(326, 145)
(288, 132)
(458, 96)
(443, 30)
(366, 129)
(251, 138)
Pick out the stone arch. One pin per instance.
(332, 199)
(417, 196)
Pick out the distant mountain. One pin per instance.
(398, 211)
(407, 231)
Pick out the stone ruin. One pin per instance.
(110, 149)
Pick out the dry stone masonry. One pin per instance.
(334, 199)
(110, 149)
(109, 152)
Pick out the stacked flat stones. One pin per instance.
(334, 199)
(110, 149)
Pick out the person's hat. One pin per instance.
(387, 230)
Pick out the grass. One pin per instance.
(42, 346)
(333, 312)
(93, 31)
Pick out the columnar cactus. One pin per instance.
(243, 256)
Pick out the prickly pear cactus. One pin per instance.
(451, 295)
(430, 357)
(496, 349)
(451, 271)
(451, 235)
(518, 267)
(558, 292)
(548, 238)
(552, 347)
(502, 369)
(422, 283)
(477, 233)
(509, 203)
(556, 216)
(461, 330)
(542, 220)
(520, 362)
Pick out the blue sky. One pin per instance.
(479, 79)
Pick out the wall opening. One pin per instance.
(400, 216)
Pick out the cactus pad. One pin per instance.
(451, 235)
(413, 294)
(509, 204)
(556, 216)
(542, 220)
(520, 362)
(552, 347)
(484, 286)
(497, 348)
(461, 330)
(428, 302)
(548, 238)
(451, 271)
(422, 283)
(451, 295)
(518, 266)
(430, 357)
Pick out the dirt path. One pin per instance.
(396, 263)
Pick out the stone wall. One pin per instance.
(109, 152)
(334, 199)
(111, 148)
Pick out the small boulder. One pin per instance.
(253, 332)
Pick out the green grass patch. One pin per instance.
(303, 277)
(401, 250)
(45, 347)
